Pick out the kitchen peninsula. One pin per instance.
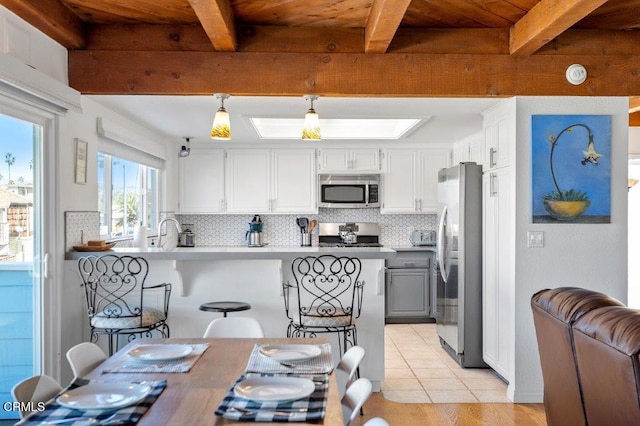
(255, 275)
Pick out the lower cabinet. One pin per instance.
(408, 289)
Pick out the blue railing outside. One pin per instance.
(16, 329)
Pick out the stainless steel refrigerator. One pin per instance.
(459, 255)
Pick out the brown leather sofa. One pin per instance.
(607, 349)
(554, 313)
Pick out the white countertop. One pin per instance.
(241, 252)
(415, 248)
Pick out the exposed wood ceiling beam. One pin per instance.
(634, 104)
(271, 39)
(383, 22)
(52, 18)
(547, 20)
(216, 18)
(348, 74)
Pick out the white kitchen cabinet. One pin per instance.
(469, 149)
(271, 181)
(294, 185)
(498, 276)
(248, 180)
(431, 161)
(202, 181)
(349, 160)
(498, 136)
(410, 181)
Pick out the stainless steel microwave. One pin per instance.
(349, 191)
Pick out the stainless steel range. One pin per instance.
(350, 234)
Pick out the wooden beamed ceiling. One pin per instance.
(351, 48)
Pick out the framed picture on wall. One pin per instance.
(81, 161)
(571, 168)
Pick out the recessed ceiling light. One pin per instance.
(336, 128)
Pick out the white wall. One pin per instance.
(634, 222)
(592, 256)
(76, 197)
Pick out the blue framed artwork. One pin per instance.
(571, 168)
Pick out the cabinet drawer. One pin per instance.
(412, 259)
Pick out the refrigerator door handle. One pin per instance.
(442, 238)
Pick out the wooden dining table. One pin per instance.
(191, 398)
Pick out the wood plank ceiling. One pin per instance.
(473, 48)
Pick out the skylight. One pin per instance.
(336, 128)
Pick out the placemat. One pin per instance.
(125, 364)
(125, 415)
(322, 364)
(310, 408)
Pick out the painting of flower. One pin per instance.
(571, 168)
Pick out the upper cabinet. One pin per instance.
(271, 181)
(349, 160)
(498, 135)
(202, 181)
(469, 149)
(294, 181)
(248, 180)
(410, 181)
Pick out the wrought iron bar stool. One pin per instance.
(118, 299)
(325, 298)
(225, 307)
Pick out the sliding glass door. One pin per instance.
(21, 250)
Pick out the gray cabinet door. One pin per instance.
(407, 293)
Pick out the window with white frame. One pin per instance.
(127, 195)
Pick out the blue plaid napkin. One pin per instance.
(313, 407)
(123, 416)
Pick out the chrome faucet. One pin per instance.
(168, 219)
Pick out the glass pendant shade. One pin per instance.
(221, 126)
(311, 129)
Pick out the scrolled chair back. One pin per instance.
(113, 285)
(327, 286)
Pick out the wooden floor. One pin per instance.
(494, 414)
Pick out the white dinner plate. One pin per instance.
(290, 352)
(102, 396)
(160, 352)
(274, 389)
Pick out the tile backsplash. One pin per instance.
(80, 227)
(278, 230)
(281, 230)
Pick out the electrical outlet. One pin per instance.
(535, 239)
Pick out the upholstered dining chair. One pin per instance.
(119, 302)
(84, 357)
(325, 298)
(34, 389)
(234, 327)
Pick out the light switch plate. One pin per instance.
(535, 239)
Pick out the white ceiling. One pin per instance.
(446, 120)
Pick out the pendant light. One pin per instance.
(221, 126)
(311, 129)
(186, 149)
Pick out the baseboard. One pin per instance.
(525, 397)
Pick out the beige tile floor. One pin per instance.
(418, 370)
